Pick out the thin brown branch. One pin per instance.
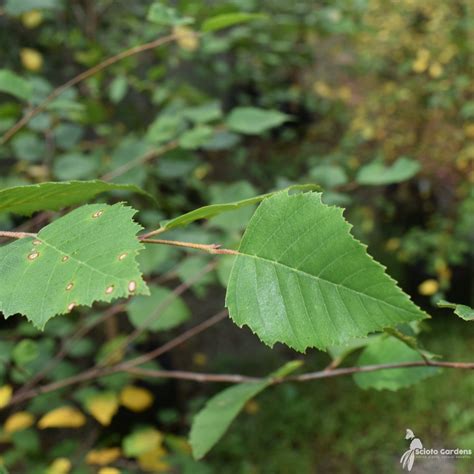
(323, 374)
(232, 378)
(85, 75)
(213, 249)
(194, 331)
(149, 155)
(15, 235)
(100, 371)
(194, 376)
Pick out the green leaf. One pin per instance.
(74, 166)
(225, 20)
(463, 311)
(210, 424)
(168, 309)
(203, 113)
(25, 351)
(196, 137)
(141, 441)
(388, 350)
(14, 7)
(11, 83)
(376, 173)
(53, 196)
(254, 121)
(301, 278)
(118, 89)
(166, 16)
(212, 210)
(237, 191)
(86, 256)
(164, 128)
(28, 146)
(328, 176)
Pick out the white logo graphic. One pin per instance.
(417, 450)
(408, 457)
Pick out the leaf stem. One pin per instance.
(16, 235)
(213, 249)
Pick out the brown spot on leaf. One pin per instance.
(33, 255)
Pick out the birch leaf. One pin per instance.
(301, 278)
(86, 256)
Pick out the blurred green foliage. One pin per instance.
(372, 99)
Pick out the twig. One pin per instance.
(85, 75)
(376, 367)
(194, 331)
(149, 155)
(15, 235)
(99, 371)
(213, 249)
(194, 376)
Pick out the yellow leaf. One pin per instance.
(108, 470)
(136, 398)
(18, 421)
(103, 407)
(5, 395)
(322, 89)
(153, 460)
(32, 19)
(428, 287)
(103, 456)
(59, 466)
(186, 38)
(436, 70)
(469, 130)
(31, 59)
(62, 417)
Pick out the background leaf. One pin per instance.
(169, 310)
(254, 121)
(15, 85)
(377, 173)
(386, 350)
(302, 279)
(210, 424)
(53, 196)
(86, 256)
(225, 20)
(206, 212)
(463, 311)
